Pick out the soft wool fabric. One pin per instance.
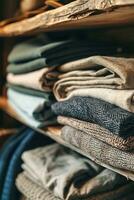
(24, 198)
(95, 71)
(34, 192)
(28, 120)
(34, 107)
(98, 149)
(31, 49)
(29, 66)
(30, 140)
(121, 98)
(31, 190)
(40, 52)
(59, 168)
(26, 67)
(125, 144)
(111, 117)
(38, 80)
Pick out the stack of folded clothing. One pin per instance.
(96, 106)
(94, 88)
(32, 72)
(54, 172)
(10, 160)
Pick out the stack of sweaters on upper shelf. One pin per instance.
(93, 83)
(32, 72)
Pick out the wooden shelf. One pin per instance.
(54, 133)
(52, 21)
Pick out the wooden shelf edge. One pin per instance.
(50, 132)
(44, 22)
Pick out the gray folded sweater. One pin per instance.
(109, 116)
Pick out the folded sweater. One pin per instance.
(98, 150)
(32, 191)
(125, 144)
(111, 117)
(95, 72)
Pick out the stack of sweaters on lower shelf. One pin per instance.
(32, 167)
(93, 84)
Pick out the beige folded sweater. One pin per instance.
(42, 79)
(125, 144)
(96, 72)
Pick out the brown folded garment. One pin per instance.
(98, 150)
(95, 71)
(100, 133)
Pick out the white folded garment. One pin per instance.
(31, 108)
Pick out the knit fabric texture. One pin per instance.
(31, 190)
(99, 150)
(34, 192)
(125, 144)
(95, 71)
(111, 117)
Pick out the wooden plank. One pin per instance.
(72, 16)
(54, 133)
